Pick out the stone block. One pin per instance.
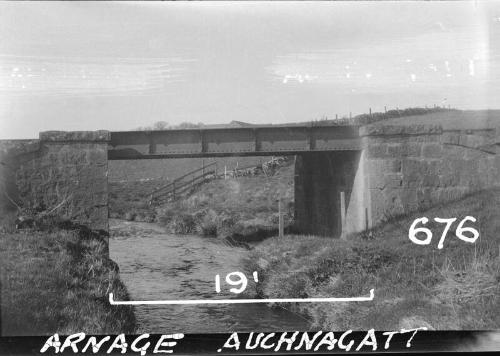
(450, 137)
(431, 180)
(425, 197)
(449, 180)
(392, 202)
(409, 199)
(432, 150)
(475, 154)
(474, 141)
(414, 167)
(378, 205)
(393, 180)
(377, 151)
(14, 148)
(378, 181)
(68, 156)
(404, 150)
(382, 166)
(435, 166)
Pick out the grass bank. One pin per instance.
(128, 200)
(58, 281)
(242, 208)
(457, 287)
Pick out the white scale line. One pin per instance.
(241, 301)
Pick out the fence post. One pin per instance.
(174, 190)
(385, 109)
(280, 220)
(225, 172)
(203, 167)
(342, 215)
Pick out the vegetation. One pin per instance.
(365, 119)
(131, 182)
(242, 208)
(129, 200)
(457, 287)
(362, 119)
(163, 125)
(452, 119)
(58, 280)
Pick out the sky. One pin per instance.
(122, 65)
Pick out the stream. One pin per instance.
(155, 265)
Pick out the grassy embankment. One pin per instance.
(242, 208)
(457, 287)
(131, 182)
(129, 200)
(59, 281)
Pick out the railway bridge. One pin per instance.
(327, 158)
(347, 178)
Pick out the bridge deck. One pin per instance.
(239, 141)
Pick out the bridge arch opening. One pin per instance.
(326, 192)
(315, 188)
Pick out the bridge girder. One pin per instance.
(239, 141)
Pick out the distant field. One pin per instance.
(451, 119)
(169, 169)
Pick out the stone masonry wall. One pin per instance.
(12, 154)
(69, 167)
(414, 167)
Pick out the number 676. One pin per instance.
(459, 231)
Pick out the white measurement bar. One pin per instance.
(241, 301)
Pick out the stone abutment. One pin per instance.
(66, 171)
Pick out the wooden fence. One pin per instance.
(184, 183)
